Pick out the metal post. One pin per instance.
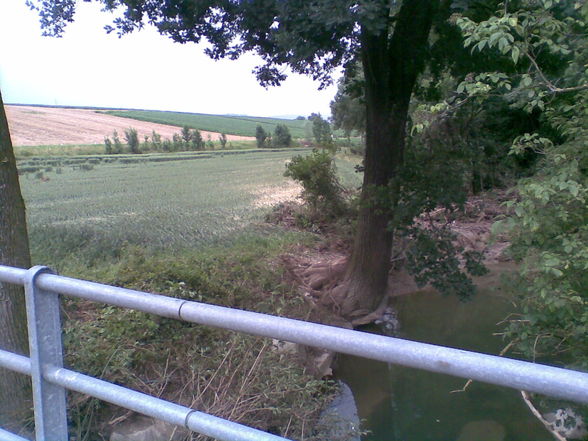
(45, 348)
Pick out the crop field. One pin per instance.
(42, 126)
(235, 125)
(94, 206)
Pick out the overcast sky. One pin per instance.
(142, 70)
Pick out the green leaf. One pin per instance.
(515, 54)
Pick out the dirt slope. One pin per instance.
(31, 125)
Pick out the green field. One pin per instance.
(233, 125)
(95, 206)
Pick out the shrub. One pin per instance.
(318, 177)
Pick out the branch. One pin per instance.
(535, 412)
(552, 87)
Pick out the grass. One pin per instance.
(186, 225)
(58, 150)
(86, 209)
(233, 125)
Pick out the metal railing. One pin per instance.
(50, 379)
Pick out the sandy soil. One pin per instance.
(57, 126)
(273, 195)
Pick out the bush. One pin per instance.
(318, 177)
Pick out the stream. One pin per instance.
(401, 404)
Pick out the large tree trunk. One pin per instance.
(391, 67)
(15, 393)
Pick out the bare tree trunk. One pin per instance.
(14, 251)
(391, 66)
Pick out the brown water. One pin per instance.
(399, 404)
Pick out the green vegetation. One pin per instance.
(546, 42)
(58, 150)
(184, 225)
(89, 208)
(321, 188)
(321, 130)
(233, 125)
(260, 137)
(282, 137)
(230, 375)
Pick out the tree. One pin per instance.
(177, 142)
(223, 140)
(390, 39)
(282, 137)
(321, 130)
(260, 137)
(546, 42)
(116, 143)
(14, 251)
(347, 110)
(156, 141)
(107, 145)
(197, 141)
(186, 136)
(132, 139)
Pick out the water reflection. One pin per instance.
(406, 404)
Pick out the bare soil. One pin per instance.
(318, 272)
(30, 125)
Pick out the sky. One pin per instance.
(87, 67)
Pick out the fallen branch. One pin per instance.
(537, 414)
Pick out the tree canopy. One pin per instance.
(489, 71)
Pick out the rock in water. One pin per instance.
(339, 421)
(567, 423)
(485, 430)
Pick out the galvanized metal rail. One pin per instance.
(50, 379)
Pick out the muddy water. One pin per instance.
(399, 404)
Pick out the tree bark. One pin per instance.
(391, 67)
(15, 393)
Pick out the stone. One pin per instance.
(483, 430)
(567, 423)
(340, 421)
(141, 428)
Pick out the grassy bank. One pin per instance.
(187, 225)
